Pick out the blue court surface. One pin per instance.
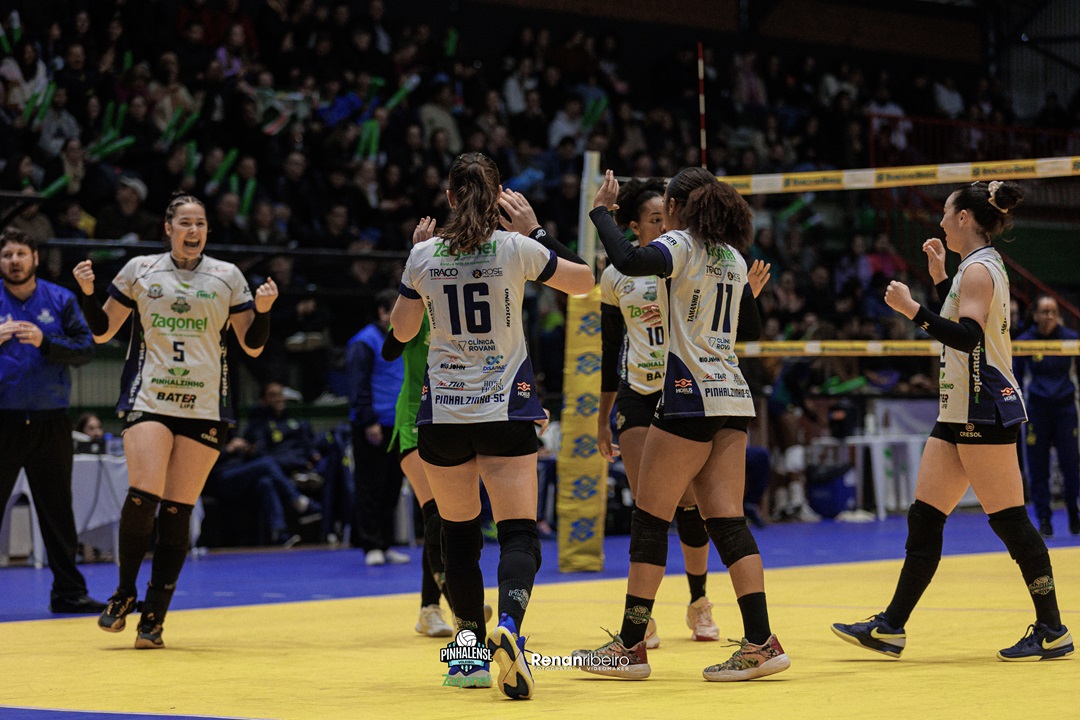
(239, 578)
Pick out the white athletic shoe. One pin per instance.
(699, 620)
(396, 558)
(652, 640)
(374, 557)
(431, 622)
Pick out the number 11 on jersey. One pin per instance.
(723, 307)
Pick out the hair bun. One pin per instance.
(1005, 195)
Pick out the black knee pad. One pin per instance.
(462, 542)
(648, 538)
(691, 527)
(138, 512)
(1021, 538)
(174, 525)
(732, 538)
(519, 536)
(926, 525)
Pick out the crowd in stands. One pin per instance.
(330, 125)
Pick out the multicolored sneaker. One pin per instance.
(508, 650)
(615, 660)
(875, 634)
(149, 637)
(652, 639)
(112, 619)
(1040, 643)
(431, 622)
(699, 620)
(750, 661)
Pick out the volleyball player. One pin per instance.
(479, 399)
(634, 356)
(174, 395)
(403, 442)
(973, 442)
(698, 435)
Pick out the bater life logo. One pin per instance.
(466, 656)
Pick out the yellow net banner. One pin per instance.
(582, 470)
(905, 176)
(887, 348)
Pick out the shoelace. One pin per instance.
(1029, 634)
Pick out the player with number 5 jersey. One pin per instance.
(174, 396)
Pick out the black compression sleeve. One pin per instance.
(943, 288)
(551, 243)
(96, 319)
(749, 327)
(392, 347)
(627, 257)
(259, 331)
(611, 340)
(963, 336)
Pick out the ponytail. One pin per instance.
(474, 182)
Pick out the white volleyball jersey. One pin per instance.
(478, 361)
(644, 349)
(176, 361)
(705, 288)
(978, 386)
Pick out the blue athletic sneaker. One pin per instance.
(508, 650)
(1040, 643)
(874, 634)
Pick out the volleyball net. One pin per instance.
(583, 490)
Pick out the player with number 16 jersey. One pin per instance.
(478, 363)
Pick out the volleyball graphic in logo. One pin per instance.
(466, 638)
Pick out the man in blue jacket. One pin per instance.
(1050, 393)
(41, 333)
(374, 384)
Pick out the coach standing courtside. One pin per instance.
(41, 333)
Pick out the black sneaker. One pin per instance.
(80, 605)
(113, 615)
(1040, 643)
(1074, 523)
(1046, 528)
(874, 634)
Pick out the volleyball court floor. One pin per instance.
(314, 635)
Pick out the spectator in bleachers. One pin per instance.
(126, 219)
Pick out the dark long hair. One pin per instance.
(633, 196)
(714, 211)
(992, 217)
(474, 181)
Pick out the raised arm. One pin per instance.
(102, 321)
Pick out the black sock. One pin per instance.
(755, 617)
(462, 543)
(697, 585)
(519, 558)
(429, 589)
(136, 529)
(1028, 549)
(926, 525)
(635, 620)
(433, 545)
(170, 551)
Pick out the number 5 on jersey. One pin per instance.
(178, 351)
